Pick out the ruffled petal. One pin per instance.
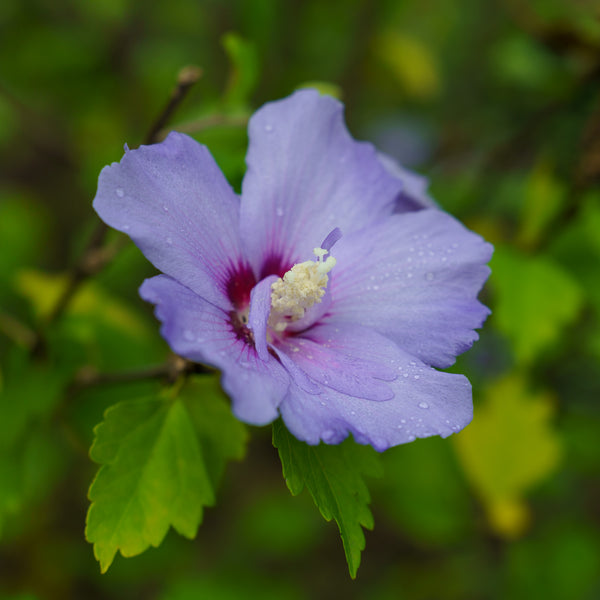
(201, 332)
(306, 176)
(349, 360)
(426, 402)
(174, 203)
(414, 278)
(413, 195)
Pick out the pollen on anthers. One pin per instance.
(300, 288)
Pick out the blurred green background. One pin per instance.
(498, 103)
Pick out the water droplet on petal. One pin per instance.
(423, 405)
(166, 208)
(279, 211)
(328, 435)
(125, 227)
(417, 376)
(268, 128)
(169, 241)
(119, 192)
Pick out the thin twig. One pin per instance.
(169, 371)
(95, 256)
(210, 121)
(188, 76)
(12, 328)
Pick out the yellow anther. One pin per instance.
(299, 289)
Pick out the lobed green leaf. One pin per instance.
(334, 477)
(162, 459)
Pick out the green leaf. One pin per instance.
(31, 456)
(162, 462)
(244, 70)
(411, 62)
(508, 448)
(577, 247)
(30, 392)
(535, 299)
(334, 477)
(544, 197)
(323, 87)
(28, 473)
(153, 477)
(43, 291)
(222, 437)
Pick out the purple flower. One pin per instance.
(336, 333)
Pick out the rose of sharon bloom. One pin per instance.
(326, 293)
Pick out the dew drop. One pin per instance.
(328, 435)
(166, 208)
(268, 128)
(417, 377)
(279, 211)
(423, 405)
(119, 192)
(169, 241)
(125, 227)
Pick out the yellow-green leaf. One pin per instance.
(43, 291)
(411, 62)
(535, 299)
(544, 196)
(509, 448)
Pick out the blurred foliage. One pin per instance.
(498, 102)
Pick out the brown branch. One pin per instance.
(187, 77)
(96, 256)
(17, 331)
(169, 371)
